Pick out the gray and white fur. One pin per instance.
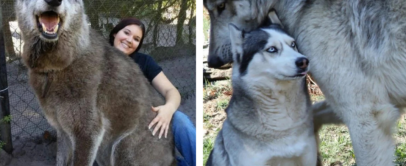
(358, 55)
(268, 117)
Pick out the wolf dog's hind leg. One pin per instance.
(104, 151)
(86, 145)
(86, 133)
(64, 149)
(371, 132)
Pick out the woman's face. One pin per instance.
(128, 38)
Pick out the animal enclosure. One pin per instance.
(169, 39)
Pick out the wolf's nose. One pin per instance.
(53, 3)
(215, 62)
(302, 63)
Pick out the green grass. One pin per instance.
(215, 97)
(6, 119)
(401, 154)
(317, 97)
(208, 145)
(336, 145)
(400, 151)
(206, 26)
(222, 104)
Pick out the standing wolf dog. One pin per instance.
(358, 55)
(96, 98)
(268, 119)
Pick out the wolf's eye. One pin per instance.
(221, 6)
(293, 45)
(272, 49)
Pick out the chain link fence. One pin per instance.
(169, 39)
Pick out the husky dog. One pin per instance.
(268, 119)
(96, 98)
(358, 55)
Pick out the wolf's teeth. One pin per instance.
(43, 27)
(56, 28)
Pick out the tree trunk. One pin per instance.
(93, 13)
(157, 21)
(7, 12)
(181, 20)
(192, 22)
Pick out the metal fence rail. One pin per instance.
(169, 39)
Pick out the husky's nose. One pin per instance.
(302, 63)
(53, 3)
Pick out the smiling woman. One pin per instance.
(129, 33)
(128, 39)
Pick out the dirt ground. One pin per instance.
(212, 115)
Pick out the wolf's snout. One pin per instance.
(302, 63)
(215, 62)
(53, 3)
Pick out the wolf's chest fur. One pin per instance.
(95, 74)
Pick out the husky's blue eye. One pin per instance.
(272, 49)
(293, 45)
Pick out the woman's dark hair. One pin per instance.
(123, 23)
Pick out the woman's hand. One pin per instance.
(162, 120)
(165, 112)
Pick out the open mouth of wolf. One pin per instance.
(49, 24)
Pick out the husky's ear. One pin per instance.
(237, 38)
(274, 18)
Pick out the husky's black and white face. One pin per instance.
(48, 19)
(266, 52)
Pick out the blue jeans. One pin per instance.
(184, 133)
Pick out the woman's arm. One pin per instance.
(172, 97)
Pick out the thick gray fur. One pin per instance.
(95, 97)
(358, 55)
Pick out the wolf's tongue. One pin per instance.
(49, 21)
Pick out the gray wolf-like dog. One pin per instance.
(268, 119)
(358, 55)
(96, 98)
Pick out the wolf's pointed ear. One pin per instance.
(274, 18)
(237, 38)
